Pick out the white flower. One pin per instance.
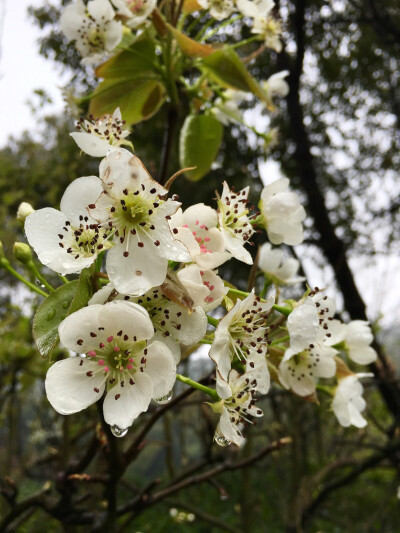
(348, 402)
(132, 206)
(227, 109)
(241, 405)
(255, 8)
(173, 323)
(269, 29)
(117, 360)
(313, 332)
(24, 209)
(219, 9)
(358, 337)
(93, 28)
(275, 85)
(234, 222)
(282, 213)
(205, 287)
(136, 11)
(196, 228)
(242, 329)
(280, 271)
(69, 240)
(97, 137)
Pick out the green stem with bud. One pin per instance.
(198, 386)
(5, 264)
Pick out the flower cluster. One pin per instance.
(159, 268)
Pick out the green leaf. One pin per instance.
(50, 314)
(137, 99)
(199, 143)
(137, 61)
(84, 290)
(227, 69)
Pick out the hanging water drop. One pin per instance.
(66, 304)
(118, 432)
(51, 314)
(40, 284)
(222, 441)
(164, 399)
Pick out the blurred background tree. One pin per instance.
(339, 145)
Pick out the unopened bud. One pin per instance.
(3, 259)
(24, 210)
(22, 252)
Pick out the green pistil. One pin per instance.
(133, 210)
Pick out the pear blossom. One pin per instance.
(92, 27)
(282, 213)
(255, 8)
(234, 222)
(348, 402)
(357, 338)
(196, 228)
(276, 85)
(269, 29)
(227, 108)
(69, 240)
(275, 268)
(242, 329)
(313, 332)
(173, 323)
(118, 359)
(205, 287)
(219, 9)
(136, 11)
(241, 405)
(97, 137)
(132, 206)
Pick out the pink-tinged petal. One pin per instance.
(91, 144)
(69, 388)
(161, 368)
(81, 193)
(141, 270)
(130, 318)
(200, 214)
(75, 331)
(122, 405)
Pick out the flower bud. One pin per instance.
(22, 252)
(24, 210)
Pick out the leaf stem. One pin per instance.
(32, 286)
(213, 321)
(198, 386)
(31, 265)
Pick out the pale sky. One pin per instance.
(22, 69)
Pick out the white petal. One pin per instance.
(68, 387)
(71, 19)
(42, 228)
(161, 368)
(122, 405)
(100, 10)
(140, 271)
(91, 144)
(75, 330)
(229, 429)
(171, 344)
(113, 35)
(81, 193)
(303, 325)
(363, 355)
(129, 317)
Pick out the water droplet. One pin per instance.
(51, 314)
(222, 441)
(119, 432)
(66, 304)
(40, 284)
(164, 399)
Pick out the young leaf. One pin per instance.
(227, 69)
(190, 47)
(84, 290)
(199, 143)
(50, 314)
(137, 99)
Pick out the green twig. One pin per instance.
(198, 386)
